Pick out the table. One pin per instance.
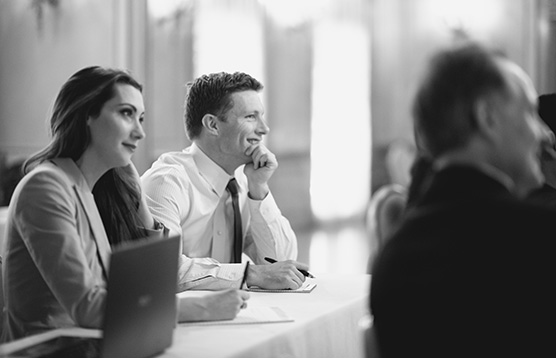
(326, 324)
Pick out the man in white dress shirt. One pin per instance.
(187, 191)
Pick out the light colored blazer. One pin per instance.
(56, 253)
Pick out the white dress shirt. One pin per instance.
(187, 192)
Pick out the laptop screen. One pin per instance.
(140, 314)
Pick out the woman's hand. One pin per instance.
(223, 305)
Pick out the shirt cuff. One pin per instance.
(267, 208)
(159, 230)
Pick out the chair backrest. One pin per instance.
(367, 328)
(3, 221)
(1, 299)
(385, 212)
(399, 158)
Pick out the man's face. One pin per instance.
(244, 127)
(521, 132)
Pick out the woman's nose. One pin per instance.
(138, 131)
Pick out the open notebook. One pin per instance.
(250, 315)
(305, 288)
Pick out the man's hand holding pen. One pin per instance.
(279, 275)
(304, 272)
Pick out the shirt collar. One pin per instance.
(209, 170)
(486, 169)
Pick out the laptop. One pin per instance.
(140, 314)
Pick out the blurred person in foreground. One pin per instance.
(468, 273)
(188, 191)
(547, 193)
(57, 250)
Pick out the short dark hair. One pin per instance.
(211, 94)
(443, 109)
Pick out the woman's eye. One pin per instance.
(127, 112)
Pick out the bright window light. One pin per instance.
(476, 16)
(341, 121)
(228, 37)
(342, 250)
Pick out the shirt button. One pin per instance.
(219, 233)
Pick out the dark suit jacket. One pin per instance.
(545, 195)
(468, 274)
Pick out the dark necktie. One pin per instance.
(232, 187)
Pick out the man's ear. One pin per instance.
(485, 116)
(211, 124)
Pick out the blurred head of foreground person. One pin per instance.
(56, 256)
(466, 274)
(547, 193)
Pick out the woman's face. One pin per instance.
(118, 128)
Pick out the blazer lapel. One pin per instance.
(90, 208)
(95, 222)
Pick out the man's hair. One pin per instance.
(211, 94)
(443, 109)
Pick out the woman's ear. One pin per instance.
(210, 122)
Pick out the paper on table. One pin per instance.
(250, 315)
(305, 288)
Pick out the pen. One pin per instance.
(244, 280)
(305, 273)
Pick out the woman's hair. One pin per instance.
(118, 196)
(82, 96)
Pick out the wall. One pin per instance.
(42, 46)
(407, 32)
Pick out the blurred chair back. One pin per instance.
(3, 220)
(369, 337)
(1, 299)
(384, 213)
(399, 158)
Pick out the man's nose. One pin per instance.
(262, 127)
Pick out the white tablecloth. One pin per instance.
(326, 324)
